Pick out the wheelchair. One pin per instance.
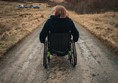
(60, 44)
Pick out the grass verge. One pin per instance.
(17, 23)
(104, 26)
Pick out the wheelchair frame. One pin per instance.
(72, 55)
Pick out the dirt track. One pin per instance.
(23, 64)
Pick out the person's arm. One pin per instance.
(74, 31)
(44, 31)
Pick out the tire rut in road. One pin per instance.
(61, 71)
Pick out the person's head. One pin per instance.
(60, 11)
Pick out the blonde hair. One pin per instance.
(60, 11)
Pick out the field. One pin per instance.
(104, 26)
(16, 23)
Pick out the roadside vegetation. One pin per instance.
(104, 26)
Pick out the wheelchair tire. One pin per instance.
(74, 55)
(45, 56)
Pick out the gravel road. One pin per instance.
(23, 64)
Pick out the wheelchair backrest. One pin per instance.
(59, 41)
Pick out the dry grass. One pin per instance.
(16, 23)
(104, 26)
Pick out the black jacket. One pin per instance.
(59, 25)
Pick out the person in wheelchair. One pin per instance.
(60, 31)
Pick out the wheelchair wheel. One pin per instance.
(73, 55)
(46, 59)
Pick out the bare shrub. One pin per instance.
(92, 6)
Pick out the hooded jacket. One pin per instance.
(59, 25)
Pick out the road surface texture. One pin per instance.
(23, 64)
